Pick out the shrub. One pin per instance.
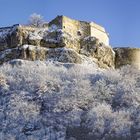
(47, 100)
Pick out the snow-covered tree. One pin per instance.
(56, 101)
(36, 20)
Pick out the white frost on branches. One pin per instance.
(55, 101)
(36, 20)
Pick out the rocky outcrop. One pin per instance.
(64, 40)
(103, 55)
(12, 37)
(30, 52)
(52, 42)
(53, 37)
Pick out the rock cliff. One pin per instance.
(64, 40)
(52, 42)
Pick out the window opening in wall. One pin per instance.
(79, 33)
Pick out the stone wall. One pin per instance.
(124, 56)
(99, 32)
(70, 26)
(76, 28)
(81, 29)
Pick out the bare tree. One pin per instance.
(36, 20)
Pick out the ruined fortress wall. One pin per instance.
(76, 28)
(84, 29)
(99, 32)
(71, 26)
(81, 29)
(57, 21)
(126, 56)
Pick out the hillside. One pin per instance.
(63, 81)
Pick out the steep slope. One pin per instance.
(57, 101)
(53, 87)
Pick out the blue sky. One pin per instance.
(121, 18)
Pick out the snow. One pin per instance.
(4, 32)
(90, 38)
(43, 32)
(51, 40)
(8, 30)
(31, 47)
(34, 36)
(5, 52)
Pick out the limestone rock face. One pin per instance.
(127, 56)
(64, 55)
(30, 52)
(25, 42)
(12, 37)
(103, 55)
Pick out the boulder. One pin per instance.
(13, 37)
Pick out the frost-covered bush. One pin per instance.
(56, 101)
(36, 20)
(104, 123)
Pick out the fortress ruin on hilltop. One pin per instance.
(65, 40)
(81, 28)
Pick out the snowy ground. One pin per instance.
(55, 101)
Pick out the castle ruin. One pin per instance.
(81, 29)
(66, 40)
